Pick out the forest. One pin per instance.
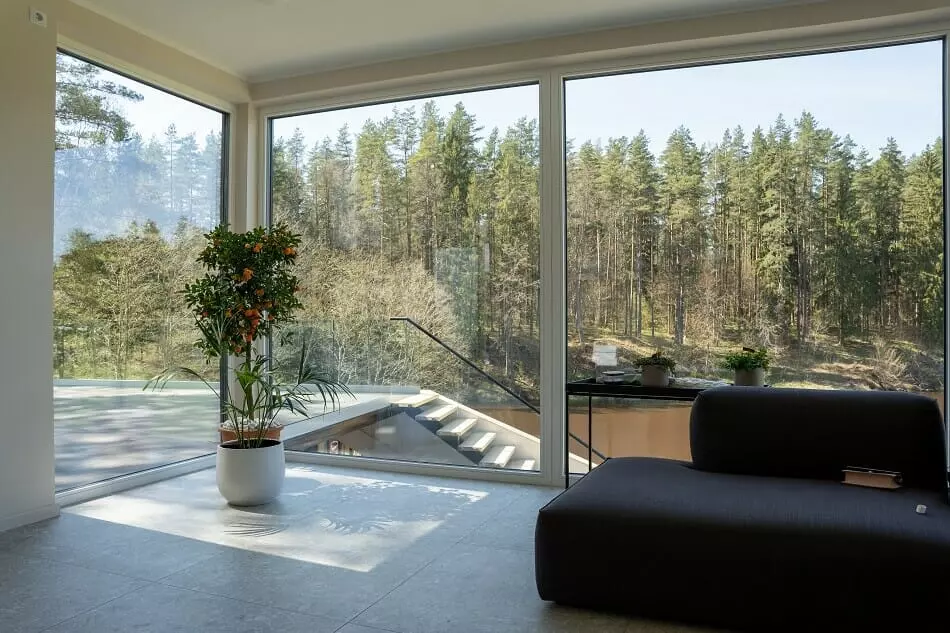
(790, 237)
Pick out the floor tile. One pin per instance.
(480, 590)
(161, 609)
(191, 507)
(356, 628)
(37, 593)
(280, 581)
(11, 539)
(651, 626)
(345, 502)
(513, 526)
(400, 553)
(111, 547)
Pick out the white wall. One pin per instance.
(124, 49)
(27, 128)
(27, 95)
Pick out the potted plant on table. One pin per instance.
(656, 369)
(749, 366)
(248, 293)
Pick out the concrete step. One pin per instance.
(437, 413)
(416, 400)
(497, 456)
(478, 443)
(455, 430)
(521, 464)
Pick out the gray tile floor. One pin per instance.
(342, 550)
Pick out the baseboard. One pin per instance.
(25, 518)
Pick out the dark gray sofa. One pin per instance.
(758, 533)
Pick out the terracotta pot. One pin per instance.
(750, 377)
(655, 376)
(227, 435)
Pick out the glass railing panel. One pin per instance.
(444, 411)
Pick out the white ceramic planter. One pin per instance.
(750, 377)
(655, 376)
(250, 476)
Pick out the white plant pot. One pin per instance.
(750, 377)
(655, 376)
(250, 476)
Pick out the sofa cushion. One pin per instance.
(815, 434)
(737, 516)
(662, 539)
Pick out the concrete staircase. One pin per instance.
(419, 425)
(481, 439)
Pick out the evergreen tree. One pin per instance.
(681, 202)
(89, 108)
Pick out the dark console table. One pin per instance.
(591, 389)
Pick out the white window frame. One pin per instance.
(81, 52)
(174, 88)
(395, 96)
(551, 75)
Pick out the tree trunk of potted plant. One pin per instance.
(750, 377)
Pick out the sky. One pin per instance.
(870, 94)
(158, 109)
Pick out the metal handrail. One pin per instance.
(488, 376)
(491, 378)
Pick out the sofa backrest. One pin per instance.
(814, 434)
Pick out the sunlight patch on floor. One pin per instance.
(346, 521)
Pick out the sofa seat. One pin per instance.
(648, 535)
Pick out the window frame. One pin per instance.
(112, 485)
(266, 118)
(551, 75)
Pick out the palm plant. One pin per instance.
(246, 295)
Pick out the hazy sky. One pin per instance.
(869, 94)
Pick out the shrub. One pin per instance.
(747, 360)
(656, 360)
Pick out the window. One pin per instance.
(794, 204)
(138, 180)
(426, 209)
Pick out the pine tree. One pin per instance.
(457, 168)
(681, 203)
(425, 183)
(921, 245)
(88, 108)
(642, 181)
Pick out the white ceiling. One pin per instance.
(265, 39)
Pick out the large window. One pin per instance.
(426, 209)
(794, 204)
(138, 180)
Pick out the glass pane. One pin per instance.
(793, 205)
(426, 209)
(138, 180)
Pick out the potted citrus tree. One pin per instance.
(749, 366)
(656, 369)
(247, 294)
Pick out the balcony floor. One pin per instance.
(103, 431)
(342, 550)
